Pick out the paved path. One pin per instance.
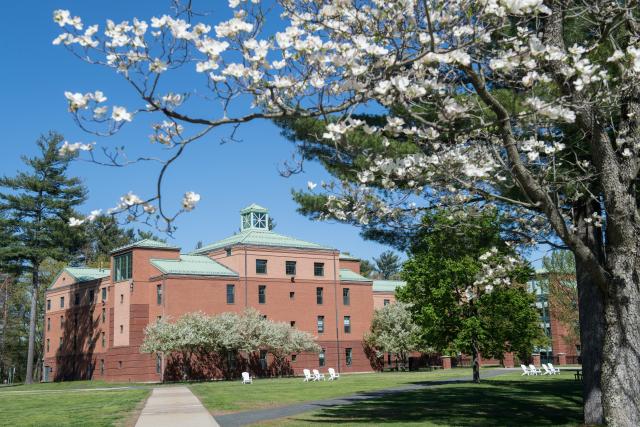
(174, 407)
(249, 417)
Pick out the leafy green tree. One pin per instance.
(393, 330)
(466, 287)
(387, 264)
(38, 204)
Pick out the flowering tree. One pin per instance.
(195, 335)
(466, 287)
(536, 95)
(394, 331)
(281, 340)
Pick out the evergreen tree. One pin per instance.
(102, 236)
(387, 264)
(366, 268)
(37, 204)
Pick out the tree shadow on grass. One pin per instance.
(463, 404)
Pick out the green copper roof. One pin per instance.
(192, 265)
(348, 257)
(387, 285)
(259, 237)
(85, 274)
(146, 243)
(351, 276)
(254, 208)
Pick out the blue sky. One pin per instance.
(33, 77)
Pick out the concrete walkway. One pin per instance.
(174, 407)
(250, 417)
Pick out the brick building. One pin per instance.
(95, 318)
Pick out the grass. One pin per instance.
(70, 408)
(232, 396)
(64, 385)
(505, 400)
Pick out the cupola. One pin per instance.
(254, 217)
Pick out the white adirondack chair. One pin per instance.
(534, 370)
(554, 371)
(525, 370)
(246, 378)
(318, 376)
(307, 375)
(333, 375)
(547, 371)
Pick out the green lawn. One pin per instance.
(230, 396)
(71, 408)
(64, 385)
(505, 400)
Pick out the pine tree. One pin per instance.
(387, 264)
(37, 204)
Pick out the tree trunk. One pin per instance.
(591, 312)
(621, 351)
(35, 281)
(476, 362)
(591, 316)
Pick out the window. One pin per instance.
(158, 364)
(48, 323)
(347, 324)
(348, 356)
(321, 358)
(158, 294)
(121, 328)
(386, 302)
(121, 298)
(318, 268)
(262, 294)
(231, 294)
(77, 298)
(48, 304)
(104, 315)
(92, 294)
(294, 357)
(293, 323)
(263, 359)
(261, 266)
(47, 345)
(292, 295)
(60, 342)
(61, 322)
(320, 324)
(159, 318)
(104, 294)
(264, 317)
(259, 220)
(61, 302)
(228, 251)
(319, 295)
(290, 267)
(101, 366)
(122, 267)
(104, 340)
(120, 364)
